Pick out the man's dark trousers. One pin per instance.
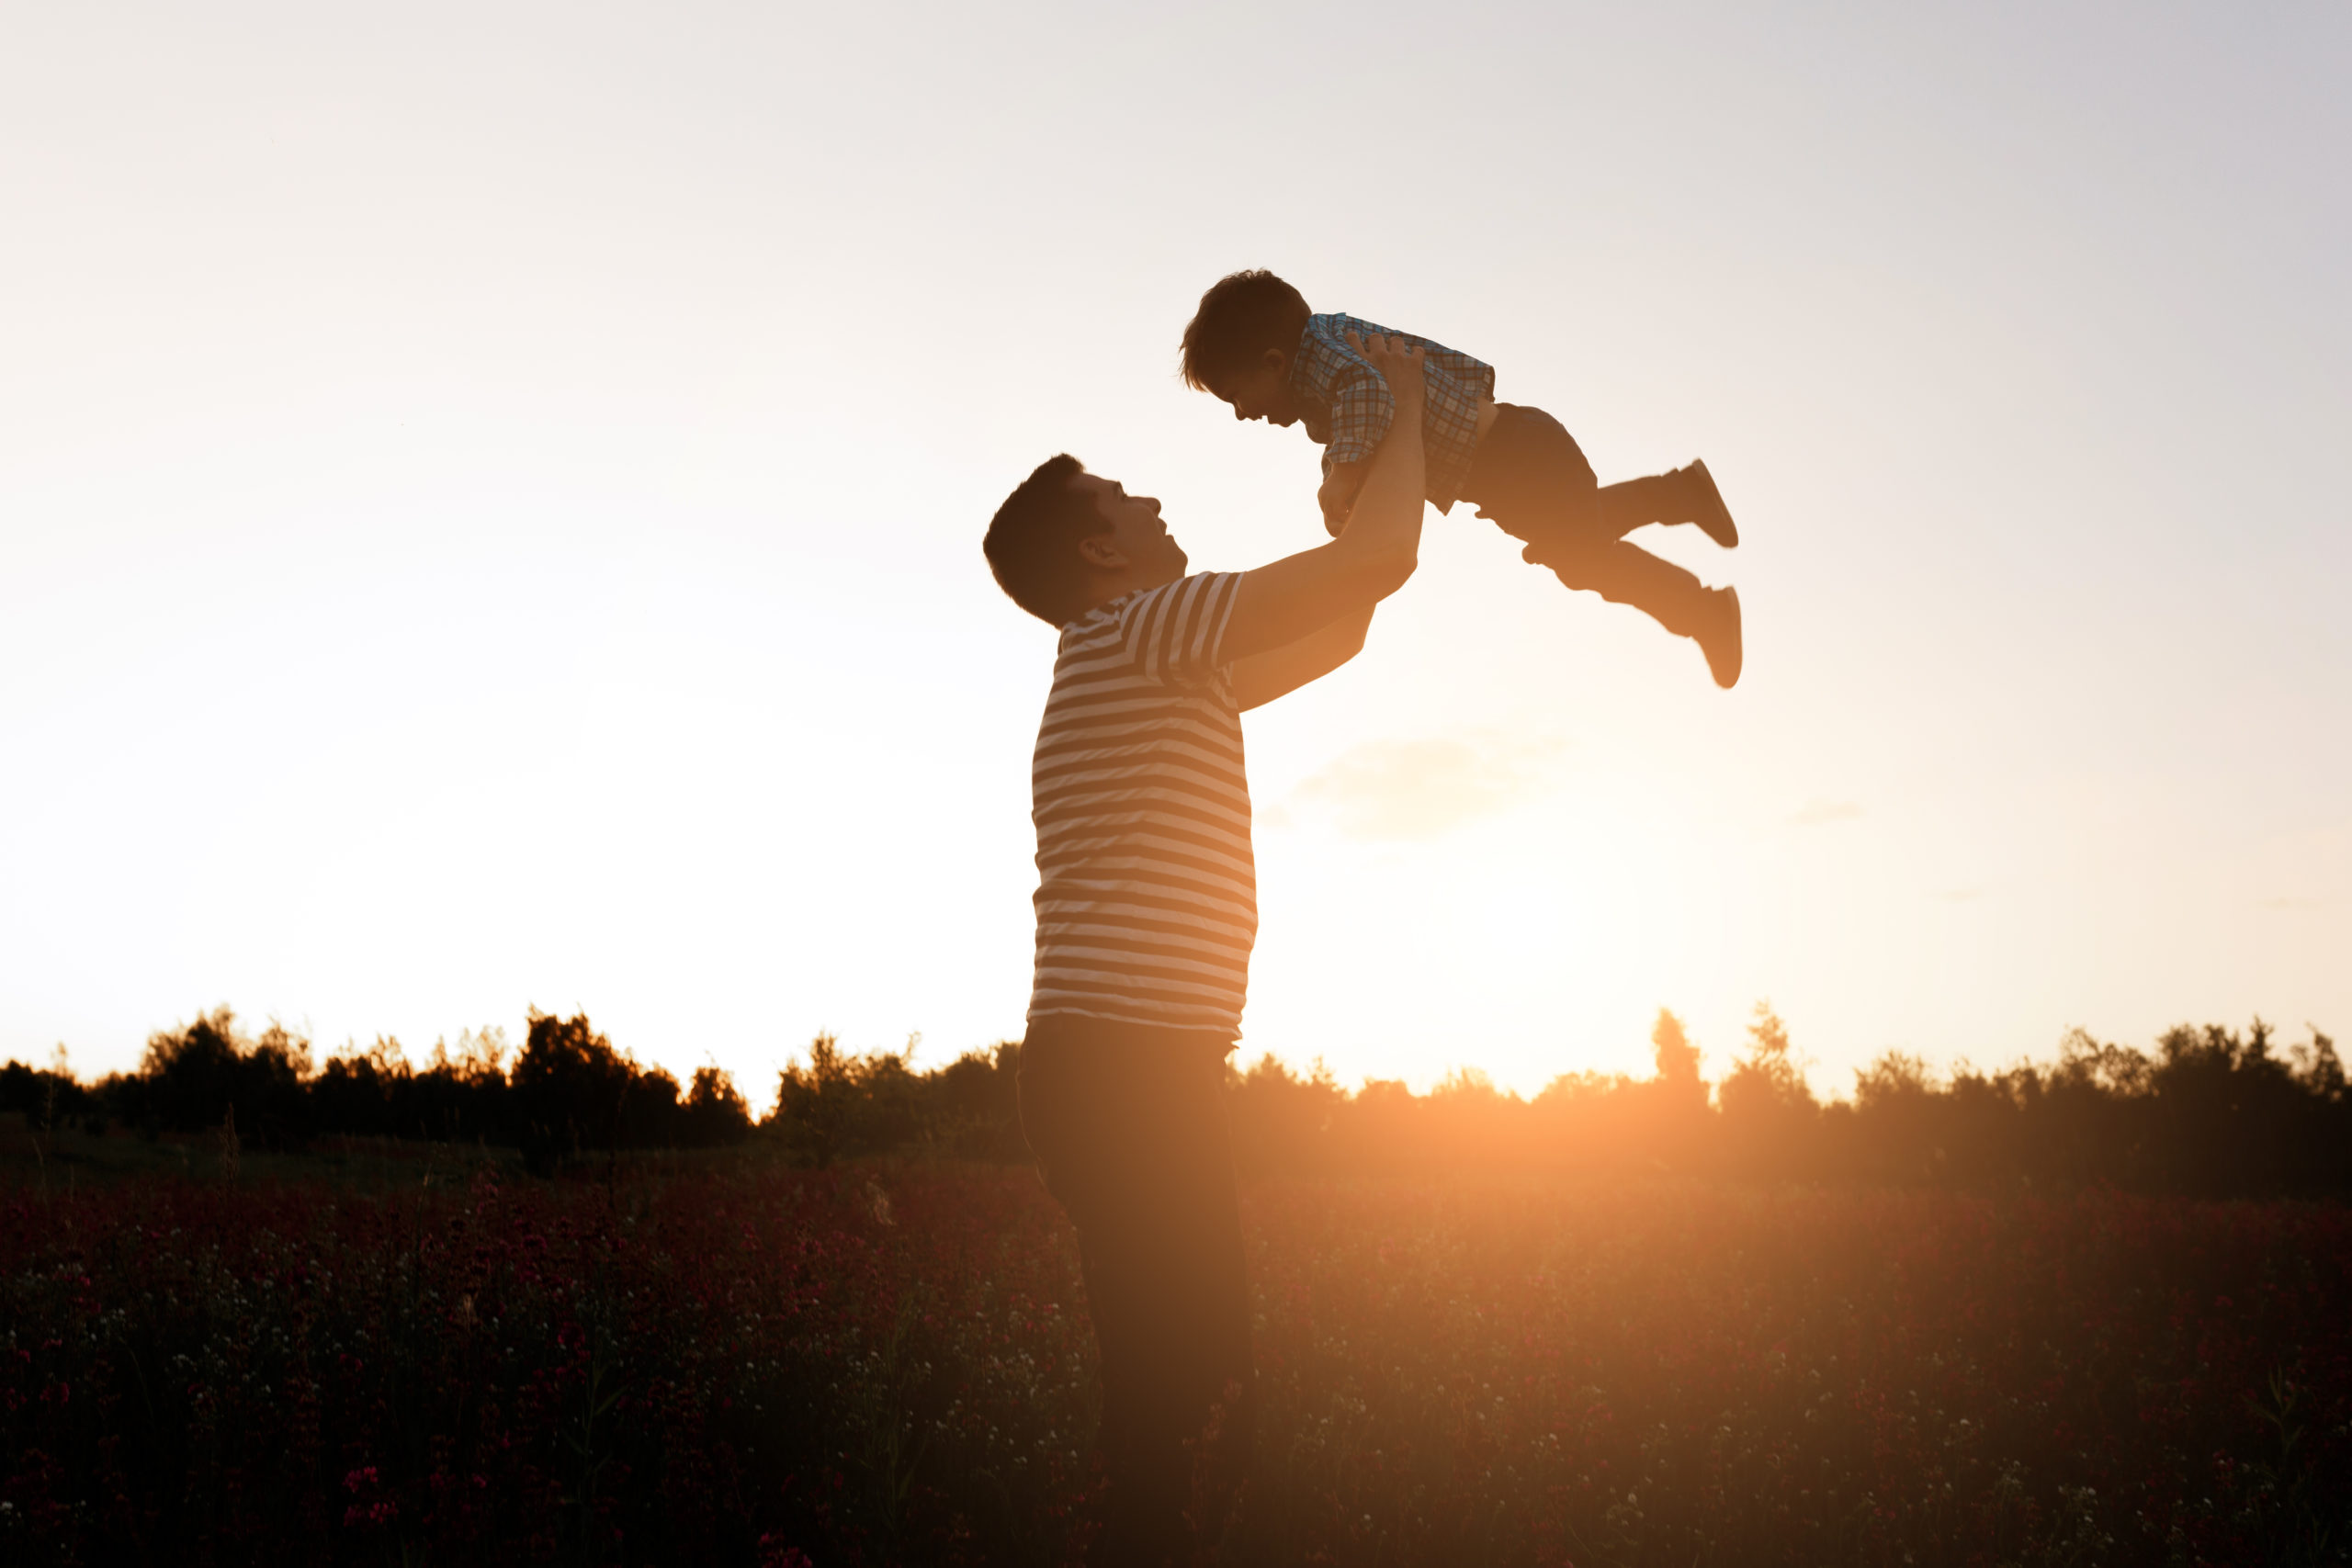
(1128, 1124)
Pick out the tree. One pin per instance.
(190, 1078)
(1768, 1108)
(568, 1089)
(841, 1104)
(714, 1113)
(1677, 1058)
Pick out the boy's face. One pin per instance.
(1263, 391)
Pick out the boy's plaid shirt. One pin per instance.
(1348, 404)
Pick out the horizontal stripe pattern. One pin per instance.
(1147, 891)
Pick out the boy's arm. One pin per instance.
(1279, 605)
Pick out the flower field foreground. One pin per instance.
(883, 1365)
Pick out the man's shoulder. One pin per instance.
(1193, 589)
(1112, 614)
(1168, 629)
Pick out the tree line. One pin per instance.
(570, 1092)
(2210, 1110)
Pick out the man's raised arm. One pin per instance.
(1293, 597)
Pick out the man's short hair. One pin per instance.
(1241, 316)
(1032, 542)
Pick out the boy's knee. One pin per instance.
(1571, 559)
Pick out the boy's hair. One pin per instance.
(1241, 316)
(1032, 542)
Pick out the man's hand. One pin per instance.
(1401, 368)
(1292, 598)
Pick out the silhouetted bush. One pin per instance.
(714, 1113)
(974, 1104)
(572, 1092)
(1280, 1120)
(568, 1089)
(45, 1098)
(841, 1104)
(208, 1075)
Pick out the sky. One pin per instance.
(490, 493)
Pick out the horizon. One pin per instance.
(491, 1045)
(489, 502)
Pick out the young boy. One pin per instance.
(1255, 344)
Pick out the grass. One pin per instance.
(376, 1353)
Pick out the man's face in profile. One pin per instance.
(1151, 552)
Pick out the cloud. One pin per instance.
(1817, 812)
(1419, 789)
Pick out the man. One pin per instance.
(1147, 908)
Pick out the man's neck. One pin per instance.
(1111, 589)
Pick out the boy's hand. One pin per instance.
(1338, 496)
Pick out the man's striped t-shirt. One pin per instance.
(1147, 892)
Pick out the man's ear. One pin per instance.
(1275, 360)
(1101, 552)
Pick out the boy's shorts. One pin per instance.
(1531, 477)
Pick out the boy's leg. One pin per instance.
(1674, 599)
(1532, 479)
(1682, 495)
(1529, 478)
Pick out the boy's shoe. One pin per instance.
(1706, 506)
(1719, 637)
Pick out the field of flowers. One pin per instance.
(738, 1362)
